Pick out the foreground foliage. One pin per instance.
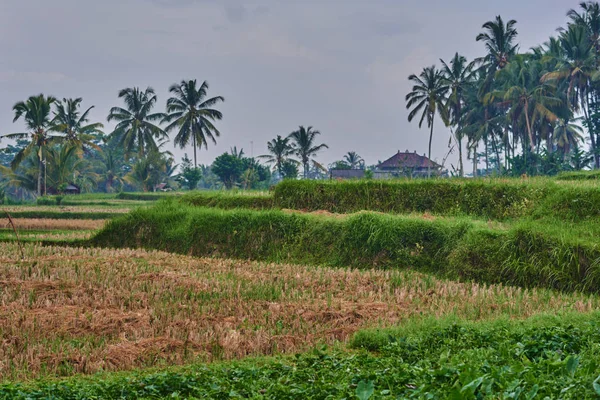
(550, 357)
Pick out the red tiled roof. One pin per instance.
(407, 160)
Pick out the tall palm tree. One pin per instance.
(577, 68)
(427, 97)
(35, 112)
(192, 114)
(566, 136)
(75, 125)
(135, 129)
(589, 18)
(526, 97)
(499, 41)
(280, 150)
(353, 159)
(459, 77)
(304, 141)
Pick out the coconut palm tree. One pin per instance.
(65, 166)
(136, 128)
(577, 68)
(353, 160)
(499, 40)
(192, 114)
(566, 136)
(280, 150)
(36, 113)
(74, 125)
(304, 143)
(427, 98)
(459, 77)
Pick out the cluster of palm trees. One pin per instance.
(61, 146)
(522, 107)
(301, 144)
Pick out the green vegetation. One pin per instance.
(227, 200)
(524, 254)
(497, 199)
(444, 359)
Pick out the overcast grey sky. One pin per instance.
(338, 65)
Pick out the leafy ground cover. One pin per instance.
(544, 357)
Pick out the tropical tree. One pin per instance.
(354, 160)
(191, 113)
(566, 136)
(65, 166)
(36, 113)
(229, 169)
(427, 98)
(499, 40)
(280, 150)
(148, 172)
(74, 125)
(305, 147)
(458, 75)
(136, 129)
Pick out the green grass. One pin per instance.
(50, 237)
(527, 254)
(229, 200)
(497, 199)
(544, 357)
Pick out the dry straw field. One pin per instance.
(74, 310)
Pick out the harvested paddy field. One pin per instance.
(52, 224)
(71, 310)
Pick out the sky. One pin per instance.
(340, 66)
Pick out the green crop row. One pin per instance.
(227, 200)
(526, 254)
(544, 357)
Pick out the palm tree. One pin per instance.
(566, 136)
(427, 98)
(135, 128)
(577, 68)
(306, 149)
(528, 98)
(499, 41)
(236, 153)
(353, 159)
(590, 19)
(190, 112)
(65, 166)
(280, 150)
(74, 125)
(36, 114)
(459, 77)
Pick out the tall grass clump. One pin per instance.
(526, 254)
(361, 240)
(228, 200)
(488, 199)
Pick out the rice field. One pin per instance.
(65, 311)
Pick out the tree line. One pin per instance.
(62, 147)
(519, 112)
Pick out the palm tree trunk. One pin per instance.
(531, 142)
(585, 107)
(194, 141)
(460, 157)
(40, 172)
(430, 139)
(475, 160)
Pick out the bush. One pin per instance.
(46, 201)
(578, 175)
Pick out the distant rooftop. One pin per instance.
(408, 160)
